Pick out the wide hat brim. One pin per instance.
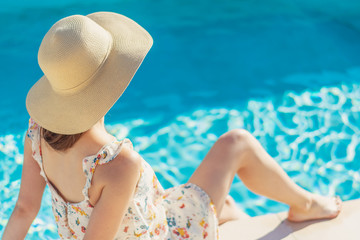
(78, 112)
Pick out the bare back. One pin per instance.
(65, 172)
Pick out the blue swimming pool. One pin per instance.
(287, 72)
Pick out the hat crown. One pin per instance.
(72, 51)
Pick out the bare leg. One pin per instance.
(238, 152)
(230, 212)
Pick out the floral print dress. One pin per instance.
(181, 212)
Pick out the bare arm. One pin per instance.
(122, 175)
(29, 200)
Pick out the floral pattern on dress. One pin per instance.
(178, 213)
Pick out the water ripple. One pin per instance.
(313, 135)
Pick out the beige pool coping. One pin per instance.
(275, 227)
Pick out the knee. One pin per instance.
(239, 138)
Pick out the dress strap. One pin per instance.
(33, 133)
(107, 153)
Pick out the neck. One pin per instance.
(96, 136)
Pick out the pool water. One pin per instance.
(287, 72)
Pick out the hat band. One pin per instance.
(88, 80)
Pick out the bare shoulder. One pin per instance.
(125, 166)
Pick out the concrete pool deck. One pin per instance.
(275, 227)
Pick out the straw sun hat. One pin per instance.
(88, 61)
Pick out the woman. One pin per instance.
(101, 188)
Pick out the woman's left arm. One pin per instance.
(29, 200)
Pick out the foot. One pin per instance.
(230, 211)
(319, 207)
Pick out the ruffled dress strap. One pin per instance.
(59, 205)
(33, 133)
(105, 155)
